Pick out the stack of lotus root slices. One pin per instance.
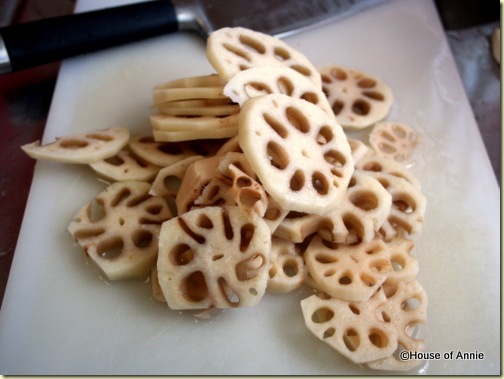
(247, 183)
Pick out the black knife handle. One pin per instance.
(48, 40)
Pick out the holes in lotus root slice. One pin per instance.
(231, 50)
(406, 311)
(118, 230)
(125, 166)
(267, 79)
(214, 257)
(287, 268)
(364, 209)
(309, 141)
(347, 272)
(393, 140)
(358, 100)
(350, 328)
(82, 148)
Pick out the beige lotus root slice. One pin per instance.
(394, 140)
(189, 88)
(266, 80)
(119, 229)
(404, 264)
(350, 328)
(199, 107)
(82, 148)
(348, 272)
(358, 99)
(287, 269)
(125, 166)
(406, 310)
(214, 257)
(231, 50)
(359, 217)
(299, 152)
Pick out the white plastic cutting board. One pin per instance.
(60, 317)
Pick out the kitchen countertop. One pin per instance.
(25, 98)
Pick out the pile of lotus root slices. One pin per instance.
(248, 183)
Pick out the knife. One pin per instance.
(39, 42)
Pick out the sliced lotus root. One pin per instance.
(360, 215)
(274, 214)
(348, 272)
(181, 128)
(406, 310)
(157, 293)
(287, 269)
(408, 206)
(125, 166)
(359, 149)
(266, 80)
(358, 100)
(373, 163)
(393, 140)
(199, 107)
(214, 257)
(232, 145)
(80, 148)
(231, 50)
(351, 328)
(168, 179)
(404, 264)
(195, 87)
(119, 229)
(298, 151)
(166, 153)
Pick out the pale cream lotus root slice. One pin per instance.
(359, 149)
(351, 328)
(300, 153)
(82, 148)
(199, 107)
(189, 88)
(408, 206)
(266, 80)
(348, 272)
(214, 257)
(358, 99)
(119, 229)
(394, 140)
(180, 128)
(231, 50)
(168, 179)
(125, 166)
(287, 270)
(406, 310)
(166, 153)
(359, 217)
(404, 264)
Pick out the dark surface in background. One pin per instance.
(25, 99)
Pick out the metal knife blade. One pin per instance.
(39, 42)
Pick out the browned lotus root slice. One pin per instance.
(169, 178)
(393, 140)
(175, 128)
(348, 272)
(360, 215)
(166, 153)
(125, 166)
(232, 145)
(406, 310)
(373, 163)
(80, 148)
(119, 229)
(298, 151)
(231, 50)
(265, 80)
(404, 264)
(195, 87)
(351, 328)
(214, 257)
(287, 269)
(358, 100)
